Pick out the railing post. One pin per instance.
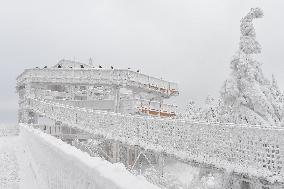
(161, 163)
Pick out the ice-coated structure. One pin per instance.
(128, 107)
(58, 165)
(81, 85)
(249, 97)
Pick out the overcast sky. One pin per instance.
(187, 41)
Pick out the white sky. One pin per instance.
(187, 41)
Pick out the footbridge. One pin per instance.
(256, 151)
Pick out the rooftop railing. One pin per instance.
(99, 76)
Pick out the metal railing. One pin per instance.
(99, 76)
(257, 151)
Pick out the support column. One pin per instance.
(128, 156)
(161, 164)
(115, 151)
(28, 90)
(117, 99)
(161, 102)
(31, 117)
(71, 91)
(24, 116)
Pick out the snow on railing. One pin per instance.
(59, 165)
(257, 151)
(103, 76)
(8, 130)
(151, 107)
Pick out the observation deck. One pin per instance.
(97, 76)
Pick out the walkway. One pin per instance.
(15, 165)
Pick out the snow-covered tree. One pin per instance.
(277, 99)
(247, 95)
(211, 111)
(165, 181)
(192, 111)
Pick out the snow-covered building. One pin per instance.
(81, 85)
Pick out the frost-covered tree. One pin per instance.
(277, 99)
(192, 111)
(211, 111)
(165, 181)
(247, 95)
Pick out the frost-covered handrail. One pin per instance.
(62, 166)
(99, 76)
(8, 130)
(253, 150)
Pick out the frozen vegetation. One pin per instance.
(247, 96)
(8, 130)
(177, 175)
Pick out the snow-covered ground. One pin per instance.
(8, 130)
(18, 155)
(16, 170)
(9, 168)
(15, 164)
(190, 176)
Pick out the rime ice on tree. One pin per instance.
(248, 43)
(247, 94)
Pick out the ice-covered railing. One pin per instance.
(257, 151)
(8, 130)
(151, 107)
(61, 166)
(99, 76)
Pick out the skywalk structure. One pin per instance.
(128, 107)
(113, 90)
(79, 85)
